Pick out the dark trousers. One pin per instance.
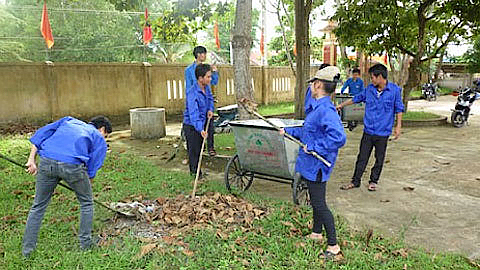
(366, 145)
(322, 216)
(194, 145)
(210, 130)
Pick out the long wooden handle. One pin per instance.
(200, 162)
(63, 185)
(295, 140)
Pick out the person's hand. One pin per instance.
(210, 114)
(397, 132)
(214, 68)
(31, 167)
(204, 134)
(305, 149)
(339, 107)
(281, 131)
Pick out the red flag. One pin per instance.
(262, 43)
(215, 33)
(147, 30)
(45, 27)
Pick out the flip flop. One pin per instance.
(212, 152)
(319, 238)
(372, 187)
(348, 186)
(328, 255)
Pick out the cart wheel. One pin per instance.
(300, 191)
(236, 179)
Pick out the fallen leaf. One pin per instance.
(404, 266)
(188, 252)
(478, 178)
(300, 244)
(287, 223)
(408, 188)
(8, 218)
(378, 256)
(17, 192)
(385, 200)
(400, 252)
(105, 255)
(145, 250)
(106, 188)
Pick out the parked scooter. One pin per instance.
(429, 91)
(465, 100)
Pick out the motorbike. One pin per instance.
(465, 99)
(429, 91)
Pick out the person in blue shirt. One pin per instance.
(308, 94)
(354, 84)
(200, 54)
(383, 100)
(71, 150)
(198, 107)
(323, 133)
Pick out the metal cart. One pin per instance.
(352, 114)
(264, 154)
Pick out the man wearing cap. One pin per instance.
(383, 100)
(323, 133)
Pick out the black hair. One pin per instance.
(322, 66)
(378, 69)
(101, 121)
(201, 70)
(198, 50)
(356, 70)
(329, 86)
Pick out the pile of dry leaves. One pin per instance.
(160, 222)
(212, 208)
(18, 128)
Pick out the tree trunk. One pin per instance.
(241, 44)
(439, 66)
(302, 13)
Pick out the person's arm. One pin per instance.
(211, 104)
(194, 111)
(45, 132)
(294, 131)
(96, 156)
(335, 135)
(399, 108)
(189, 77)
(215, 77)
(345, 85)
(31, 165)
(345, 103)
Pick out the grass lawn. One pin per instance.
(279, 108)
(419, 115)
(441, 91)
(274, 242)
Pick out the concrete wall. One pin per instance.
(39, 92)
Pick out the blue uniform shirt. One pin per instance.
(197, 105)
(190, 78)
(323, 133)
(354, 87)
(72, 141)
(380, 109)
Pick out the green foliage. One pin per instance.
(79, 36)
(276, 44)
(472, 56)
(224, 15)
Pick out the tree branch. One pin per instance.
(404, 50)
(445, 43)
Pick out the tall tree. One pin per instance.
(419, 29)
(241, 44)
(472, 56)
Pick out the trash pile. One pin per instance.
(181, 211)
(17, 128)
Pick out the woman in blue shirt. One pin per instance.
(323, 133)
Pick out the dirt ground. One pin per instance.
(429, 190)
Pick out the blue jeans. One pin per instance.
(50, 172)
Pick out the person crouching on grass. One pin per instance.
(198, 108)
(323, 133)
